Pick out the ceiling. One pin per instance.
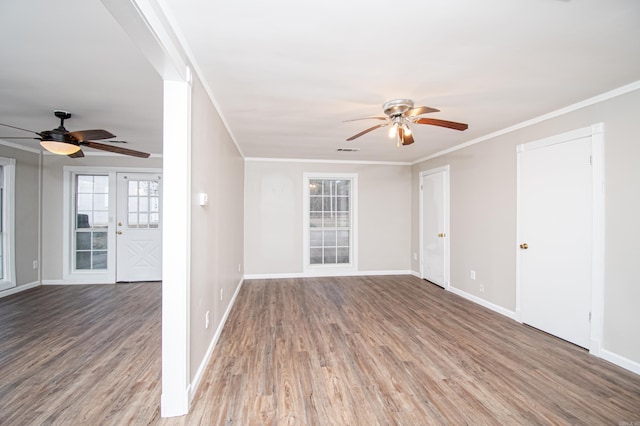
(285, 74)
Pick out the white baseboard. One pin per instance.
(485, 303)
(205, 361)
(416, 274)
(331, 274)
(620, 361)
(169, 407)
(18, 289)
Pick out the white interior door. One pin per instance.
(139, 227)
(555, 219)
(434, 218)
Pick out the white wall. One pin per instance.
(483, 215)
(273, 215)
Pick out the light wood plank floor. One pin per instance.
(396, 350)
(81, 355)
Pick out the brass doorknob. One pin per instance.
(441, 235)
(524, 246)
(119, 232)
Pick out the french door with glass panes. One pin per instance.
(329, 220)
(116, 228)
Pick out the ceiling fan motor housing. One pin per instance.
(397, 107)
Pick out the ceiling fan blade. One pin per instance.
(77, 154)
(407, 138)
(442, 123)
(19, 128)
(88, 135)
(420, 110)
(116, 149)
(366, 118)
(364, 132)
(18, 137)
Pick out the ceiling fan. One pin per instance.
(399, 114)
(63, 142)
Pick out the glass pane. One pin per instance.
(143, 187)
(329, 220)
(343, 238)
(143, 204)
(99, 260)
(83, 240)
(153, 188)
(326, 187)
(83, 260)
(315, 187)
(315, 239)
(99, 241)
(85, 184)
(85, 202)
(343, 187)
(329, 255)
(133, 187)
(83, 220)
(143, 219)
(101, 184)
(315, 220)
(101, 202)
(100, 219)
(343, 255)
(329, 238)
(154, 204)
(343, 220)
(133, 220)
(315, 204)
(329, 204)
(133, 204)
(315, 256)
(154, 219)
(343, 204)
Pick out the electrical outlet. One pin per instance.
(221, 293)
(415, 256)
(481, 288)
(35, 264)
(206, 320)
(239, 269)
(473, 275)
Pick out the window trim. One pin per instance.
(332, 269)
(8, 241)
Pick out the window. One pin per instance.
(143, 206)
(7, 211)
(329, 221)
(92, 221)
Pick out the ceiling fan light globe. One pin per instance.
(59, 148)
(407, 130)
(393, 131)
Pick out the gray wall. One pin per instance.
(273, 215)
(483, 214)
(217, 169)
(26, 212)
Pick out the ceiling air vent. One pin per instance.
(348, 149)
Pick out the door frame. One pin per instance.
(596, 133)
(446, 213)
(108, 276)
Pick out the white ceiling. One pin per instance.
(286, 73)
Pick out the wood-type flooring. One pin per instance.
(389, 350)
(397, 350)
